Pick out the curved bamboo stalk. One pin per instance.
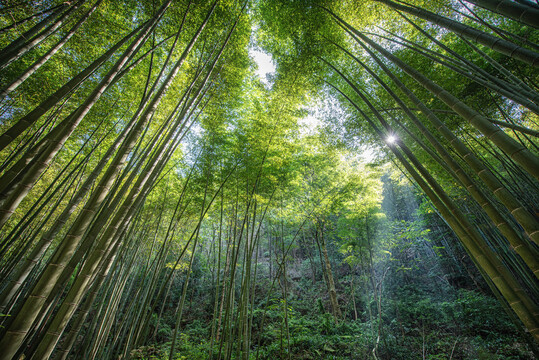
(520, 12)
(516, 151)
(11, 55)
(510, 91)
(485, 257)
(527, 220)
(516, 88)
(26, 121)
(504, 34)
(528, 254)
(502, 46)
(22, 322)
(37, 64)
(513, 149)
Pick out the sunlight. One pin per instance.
(226, 179)
(391, 139)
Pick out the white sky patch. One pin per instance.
(265, 64)
(309, 125)
(368, 154)
(196, 129)
(327, 109)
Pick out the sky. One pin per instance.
(265, 64)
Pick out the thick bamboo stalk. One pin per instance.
(39, 249)
(32, 306)
(32, 32)
(20, 186)
(513, 86)
(26, 121)
(31, 17)
(109, 209)
(485, 257)
(520, 12)
(10, 56)
(85, 309)
(515, 150)
(502, 46)
(37, 64)
(95, 259)
(526, 219)
(503, 88)
(521, 246)
(504, 142)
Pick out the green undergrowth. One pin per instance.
(470, 325)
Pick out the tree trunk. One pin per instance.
(335, 308)
(8, 56)
(495, 43)
(36, 65)
(520, 12)
(483, 256)
(528, 254)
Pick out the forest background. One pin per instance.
(373, 197)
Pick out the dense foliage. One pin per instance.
(373, 197)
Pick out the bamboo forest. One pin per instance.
(269, 179)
